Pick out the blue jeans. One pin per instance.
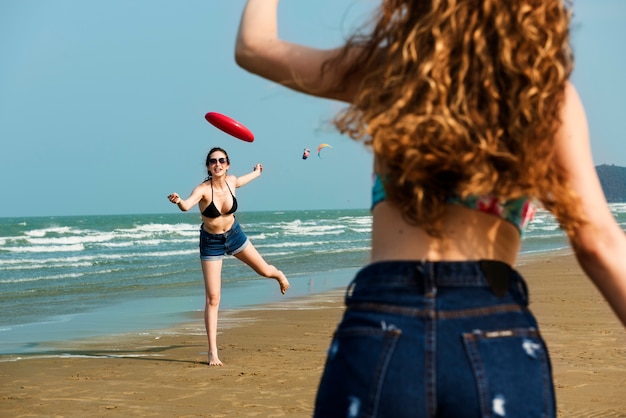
(436, 339)
(214, 246)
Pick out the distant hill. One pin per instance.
(613, 180)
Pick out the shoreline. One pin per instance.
(131, 318)
(132, 344)
(141, 315)
(274, 356)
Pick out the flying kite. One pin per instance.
(320, 147)
(306, 153)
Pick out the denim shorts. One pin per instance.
(214, 246)
(433, 339)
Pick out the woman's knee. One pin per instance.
(213, 299)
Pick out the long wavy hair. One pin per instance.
(462, 97)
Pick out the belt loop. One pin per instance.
(420, 268)
(522, 288)
(430, 279)
(421, 276)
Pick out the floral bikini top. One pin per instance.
(517, 211)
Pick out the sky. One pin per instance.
(102, 105)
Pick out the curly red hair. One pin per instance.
(463, 97)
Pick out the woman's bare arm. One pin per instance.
(600, 244)
(259, 50)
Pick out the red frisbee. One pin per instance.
(230, 126)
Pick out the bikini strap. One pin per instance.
(231, 192)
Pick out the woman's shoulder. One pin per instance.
(232, 182)
(204, 186)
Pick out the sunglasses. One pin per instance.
(214, 161)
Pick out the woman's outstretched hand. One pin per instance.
(174, 198)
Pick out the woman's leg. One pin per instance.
(252, 258)
(212, 272)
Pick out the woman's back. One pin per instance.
(467, 235)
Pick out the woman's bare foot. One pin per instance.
(214, 360)
(284, 283)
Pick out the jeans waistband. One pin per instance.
(484, 273)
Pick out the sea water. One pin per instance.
(63, 278)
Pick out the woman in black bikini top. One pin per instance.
(221, 234)
(212, 211)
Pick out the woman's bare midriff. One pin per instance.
(467, 235)
(218, 225)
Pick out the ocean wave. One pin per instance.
(359, 220)
(31, 266)
(544, 227)
(39, 262)
(618, 208)
(316, 232)
(44, 231)
(46, 249)
(157, 229)
(269, 254)
(86, 260)
(161, 227)
(296, 244)
(41, 278)
(150, 242)
(69, 235)
(538, 237)
(361, 230)
(72, 240)
(328, 244)
(7, 359)
(343, 250)
(545, 250)
(299, 225)
(119, 244)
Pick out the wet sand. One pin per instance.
(274, 355)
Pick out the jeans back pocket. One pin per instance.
(512, 371)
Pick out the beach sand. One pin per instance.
(274, 357)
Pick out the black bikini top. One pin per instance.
(211, 211)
